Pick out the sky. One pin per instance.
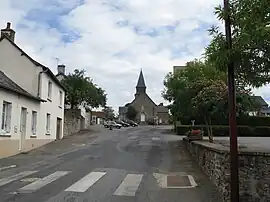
(114, 39)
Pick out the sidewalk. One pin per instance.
(52, 150)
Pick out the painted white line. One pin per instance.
(18, 176)
(129, 185)
(86, 182)
(162, 182)
(192, 181)
(161, 179)
(7, 167)
(43, 182)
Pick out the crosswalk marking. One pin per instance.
(43, 182)
(129, 185)
(18, 176)
(86, 182)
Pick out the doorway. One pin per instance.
(23, 128)
(142, 117)
(58, 128)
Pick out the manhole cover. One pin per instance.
(33, 179)
(178, 181)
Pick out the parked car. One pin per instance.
(112, 124)
(123, 123)
(132, 123)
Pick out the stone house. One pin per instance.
(98, 117)
(31, 100)
(147, 109)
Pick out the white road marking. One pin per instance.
(7, 167)
(192, 181)
(162, 182)
(86, 182)
(43, 182)
(18, 176)
(129, 185)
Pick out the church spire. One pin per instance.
(141, 87)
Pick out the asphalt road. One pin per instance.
(143, 164)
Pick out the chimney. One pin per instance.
(10, 33)
(61, 69)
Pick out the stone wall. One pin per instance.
(72, 122)
(254, 170)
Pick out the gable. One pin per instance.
(21, 60)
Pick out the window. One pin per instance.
(34, 122)
(60, 98)
(6, 117)
(50, 90)
(48, 124)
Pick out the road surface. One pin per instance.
(143, 164)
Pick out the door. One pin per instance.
(142, 117)
(58, 128)
(23, 128)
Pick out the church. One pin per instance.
(147, 109)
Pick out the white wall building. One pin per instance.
(31, 100)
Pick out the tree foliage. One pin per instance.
(251, 41)
(200, 90)
(82, 91)
(109, 113)
(131, 113)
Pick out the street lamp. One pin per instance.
(232, 109)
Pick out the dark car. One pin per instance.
(132, 123)
(124, 124)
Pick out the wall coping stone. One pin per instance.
(219, 148)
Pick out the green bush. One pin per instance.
(243, 121)
(220, 131)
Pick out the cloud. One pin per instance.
(113, 39)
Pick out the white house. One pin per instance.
(31, 100)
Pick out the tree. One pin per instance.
(81, 90)
(178, 86)
(131, 113)
(109, 113)
(251, 42)
(200, 90)
(211, 102)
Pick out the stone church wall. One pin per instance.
(148, 106)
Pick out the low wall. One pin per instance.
(254, 170)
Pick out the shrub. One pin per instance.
(223, 131)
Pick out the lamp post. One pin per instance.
(232, 109)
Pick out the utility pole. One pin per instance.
(232, 109)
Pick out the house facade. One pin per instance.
(31, 100)
(146, 108)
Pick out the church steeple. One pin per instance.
(140, 87)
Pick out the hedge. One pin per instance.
(219, 131)
(243, 121)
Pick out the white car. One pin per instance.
(112, 124)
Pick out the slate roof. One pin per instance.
(7, 84)
(259, 100)
(141, 83)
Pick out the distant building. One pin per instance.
(147, 109)
(262, 108)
